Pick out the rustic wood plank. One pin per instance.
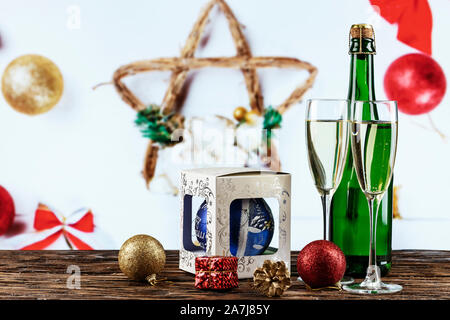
(42, 275)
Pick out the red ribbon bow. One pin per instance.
(414, 20)
(45, 219)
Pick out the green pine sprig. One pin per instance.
(153, 124)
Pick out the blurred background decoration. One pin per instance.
(159, 123)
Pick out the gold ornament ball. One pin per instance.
(32, 84)
(141, 258)
(239, 113)
(251, 117)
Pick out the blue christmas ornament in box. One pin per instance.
(251, 226)
(234, 219)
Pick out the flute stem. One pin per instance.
(373, 277)
(326, 214)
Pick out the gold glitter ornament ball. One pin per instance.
(141, 258)
(32, 84)
(239, 113)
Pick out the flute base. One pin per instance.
(347, 280)
(380, 288)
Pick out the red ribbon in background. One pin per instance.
(413, 18)
(45, 219)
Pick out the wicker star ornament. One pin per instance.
(169, 117)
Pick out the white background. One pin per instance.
(87, 151)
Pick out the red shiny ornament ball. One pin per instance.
(7, 210)
(321, 263)
(417, 82)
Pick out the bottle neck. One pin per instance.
(362, 86)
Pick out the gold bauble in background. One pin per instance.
(141, 258)
(32, 84)
(251, 117)
(239, 113)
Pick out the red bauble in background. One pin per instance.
(417, 82)
(7, 210)
(321, 263)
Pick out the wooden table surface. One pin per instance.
(43, 275)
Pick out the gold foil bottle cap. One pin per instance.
(362, 30)
(365, 39)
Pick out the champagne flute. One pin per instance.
(327, 137)
(374, 146)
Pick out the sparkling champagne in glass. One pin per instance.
(327, 139)
(374, 146)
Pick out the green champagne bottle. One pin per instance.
(349, 213)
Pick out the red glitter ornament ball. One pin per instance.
(321, 263)
(7, 210)
(417, 82)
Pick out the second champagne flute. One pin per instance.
(374, 146)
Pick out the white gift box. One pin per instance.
(219, 187)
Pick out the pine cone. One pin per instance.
(272, 279)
